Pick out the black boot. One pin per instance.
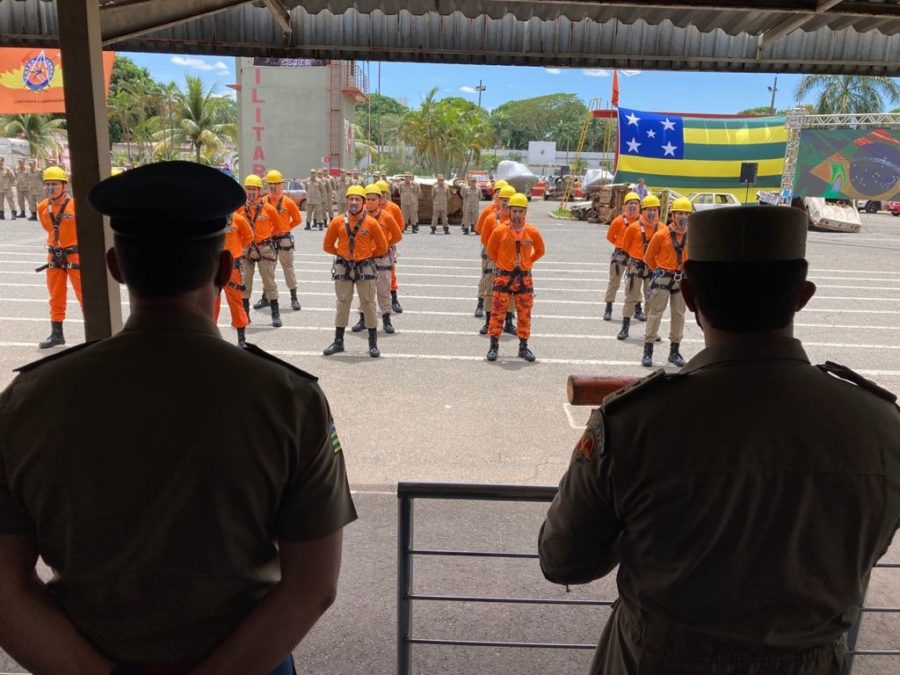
(388, 326)
(2, 215)
(433, 230)
(21, 214)
(508, 326)
(479, 308)
(373, 343)
(295, 303)
(524, 352)
(55, 337)
(359, 325)
(276, 315)
(465, 229)
(446, 230)
(624, 332)
(33, 216)
(647, 358)
(246, 302)
(487, 324)
(321, 225)
(415, 229)
(308, 226)
(607, 315)
(639, 313)
(492, 352)
(395, 304)
(337, 345)
(242, 339)
(262, 303)
(674, 356)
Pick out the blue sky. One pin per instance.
(410, 82)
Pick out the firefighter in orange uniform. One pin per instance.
(355, 239)
(282, 237)
(665, 257)
(484, 288)
(496, 219)
(618, 261)
(637, 277)
(514, 249)
(263, 219)
(57, 216)
(238, 237)
(397, 213)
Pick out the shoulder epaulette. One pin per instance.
(642, 385)
(256, 351)
(58, 355)
(845, 373)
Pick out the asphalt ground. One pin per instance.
(432, 409)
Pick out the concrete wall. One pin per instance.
(283, 119)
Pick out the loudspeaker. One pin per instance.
(748, 172)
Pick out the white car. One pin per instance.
(704, 201)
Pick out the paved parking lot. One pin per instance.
(432, 409)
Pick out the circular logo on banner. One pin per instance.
(38, 72)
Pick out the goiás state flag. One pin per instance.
(699, 153)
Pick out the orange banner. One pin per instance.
(31, 80)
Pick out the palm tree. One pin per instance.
(202, 119)
(845, 94)
(41, 132)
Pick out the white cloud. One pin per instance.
(630, 73)
(596, 72)
(198, 64)
(467, 89)
(553, 71)
(220, 65)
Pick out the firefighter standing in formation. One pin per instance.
(514, 248)
(484, 284)
(471, 201)
(315, 200)
(21, 187)
(340, 192)
(238, 237)
(328, 185)
(34, 188)
(409, 202)
(355, 239)
(495, 220)
(637, 278)
(397, 213)
(618, 261)
(57, 216)
(7, 181)
(440, 196)
(383, 264)
(665, 258)
(263, 219)
(282, 236)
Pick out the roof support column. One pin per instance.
(85, 94)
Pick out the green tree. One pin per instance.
(844, 94)
(373, 115)
(206, 121)
(543, 118)
(41, 131)
(126, 75)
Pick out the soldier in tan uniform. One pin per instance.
(409, 202)
(340, 192)
(315, 201)
(328, 183)
(746, 537)
(34, 187)
(471, 197)
(440, 196)
(21, 187)
(7, 182)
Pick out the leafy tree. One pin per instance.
(126, 75)
(203, 120)
(848, 93)
(557, 117)
(381, 107)
(41, 132)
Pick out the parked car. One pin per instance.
(296, 190)
(894, 208)
(704, 201)
(868, 205)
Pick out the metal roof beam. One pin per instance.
(121, 22)
(791, 24)
(279, 12)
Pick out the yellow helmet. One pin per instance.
(116, 170)
(650, 202)
(274, 176)
(383, 186)
(253, 181)
(519, 199)
(55, 173)
(355, 191)
(507, 191)
(632, 196)
(499, 184)
(682, 204)
(373, 189)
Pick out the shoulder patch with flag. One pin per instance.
(333, 437)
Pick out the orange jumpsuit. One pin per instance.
(263, 219)
(238, 236)
(62, 254)
(635, 241)
(514, 253)
(288, 219)
(384, 264)
(397, 214)
(665, 257)
(618, 261)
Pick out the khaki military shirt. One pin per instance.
(745, 501)
(7, 178)
(409, 194)
(157, 470)
(439, 197)
(35, 182)
(315, 191)
(471, 197)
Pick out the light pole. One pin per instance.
(480, 88)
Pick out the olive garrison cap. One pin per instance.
(748, 234)
(178, 200)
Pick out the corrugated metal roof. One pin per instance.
(850, 38)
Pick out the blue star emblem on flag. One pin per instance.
(652, 135)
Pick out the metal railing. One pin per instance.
(408, 492)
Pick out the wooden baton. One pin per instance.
(592, 389)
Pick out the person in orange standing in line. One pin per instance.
(618, 261)
(394, 209)
(263, 219)
(484, 285)
(57, 216)
(355, 239)
(514, 248)
(495, 219)
(238, 237)
(637, 278)
(282, 237)
(665, 257)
